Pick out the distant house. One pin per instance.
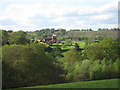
(49, 41)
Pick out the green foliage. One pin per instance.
(95, 70)
(9, 55)
(117, 67)
(77, 47)
(18, 38)
(107, 48)
(10, 31)
(57, 51)
(81, 70)
(68, 42)
(92, 70)
(5, 37)
(69, 60)
(25, 65)
(46, 33)
(74, 34)
(71, 57)
(102, 70)
(94, 67)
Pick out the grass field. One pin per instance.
(109, 83)
(80, 43)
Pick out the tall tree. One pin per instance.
(107, 48)
(5, 37)
(18, 38)
(25, 65)
(77, 47)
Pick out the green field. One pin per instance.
(109, 83)
(80, 43)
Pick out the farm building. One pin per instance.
(49, 41)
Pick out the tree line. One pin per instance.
(75, 34)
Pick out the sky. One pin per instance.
(31, 15)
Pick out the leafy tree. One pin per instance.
(48, 49)
(5, 37)
(21, 62)
(70, 58)
(9, 55)
(57, 51)
(95, 70)
(117, 67)
(68, 42)
(10, 31)
(77, 47)
(81, 71)
(18, 38)
(105, 49)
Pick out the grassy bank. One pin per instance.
(109, 83)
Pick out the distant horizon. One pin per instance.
(32, 15)
(61, 28)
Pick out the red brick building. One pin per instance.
(49, 41)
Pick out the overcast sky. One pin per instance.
(32, 15)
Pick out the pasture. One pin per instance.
(108, 83)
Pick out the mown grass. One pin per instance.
(82, 44)
(109, 83)
(66, 47)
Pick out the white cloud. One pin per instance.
(103, 9)
(59, 20)
(110, 6)
(42, 1)
(102, 17)
(66, 16)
